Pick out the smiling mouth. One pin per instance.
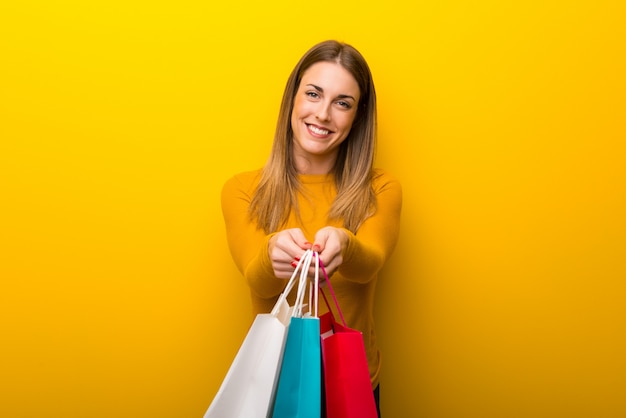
(318, 131)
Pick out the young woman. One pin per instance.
(319, 190)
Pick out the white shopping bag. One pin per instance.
(249, 388)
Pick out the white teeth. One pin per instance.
(318, 131)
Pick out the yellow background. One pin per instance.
(505, 122)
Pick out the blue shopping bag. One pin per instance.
(299, 393)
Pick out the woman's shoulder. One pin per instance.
(246, 181)
(387, 188)
(382, 178)
(247, 176)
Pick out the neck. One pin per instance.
(315, 164)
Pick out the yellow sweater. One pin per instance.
(355, 280)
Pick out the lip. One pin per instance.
(318, 127)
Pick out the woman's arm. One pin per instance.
(248, 244)
(364, 253)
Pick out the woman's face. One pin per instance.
(323, 112)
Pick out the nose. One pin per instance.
(323, 112)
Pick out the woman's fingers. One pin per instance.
(285, 248)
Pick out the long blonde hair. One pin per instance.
(276, 193)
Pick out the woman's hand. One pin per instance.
(330, 243)
(285, 249)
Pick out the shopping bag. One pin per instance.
(299, 386)
(347, 386)
(249, 388)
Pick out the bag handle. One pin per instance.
(302, 269)
(291, 282)
(330, 288)
(314, 287)
(304, 278)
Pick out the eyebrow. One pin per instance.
(341, 96)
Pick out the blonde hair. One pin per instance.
(276, 193)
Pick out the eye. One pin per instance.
(344, 104)
(312, 94)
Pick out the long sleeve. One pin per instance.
(247, 243)
(375, 240)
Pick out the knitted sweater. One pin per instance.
(354, 282)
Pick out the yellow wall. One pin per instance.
(120, 120)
